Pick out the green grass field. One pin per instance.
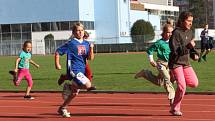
(112, 72)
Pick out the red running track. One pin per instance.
(105, 107)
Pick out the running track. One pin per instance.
(105, 107)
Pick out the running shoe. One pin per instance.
(28, 97)
(63, 112)
(176, 113)
(91, 88)
(204, 57)
(13, 73)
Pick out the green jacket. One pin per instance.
(162, 48)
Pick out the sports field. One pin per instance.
(112, 72)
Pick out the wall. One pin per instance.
(29, 11)
(86, 10)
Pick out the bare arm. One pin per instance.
(16, 64)
(57, 61)
(91, 55)
(35, 64)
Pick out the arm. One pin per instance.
(16, 64)
(57, 61)
(150, 51)
(35, 64)
(60, 51)
(192, 44)
(177, 45)
(91, 53)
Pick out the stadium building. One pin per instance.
(48, 22)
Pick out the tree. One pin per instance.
(199, 11)
(142, 31)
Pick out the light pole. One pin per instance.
(206, 11)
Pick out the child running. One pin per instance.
(78, 51)
(22, 68)
(88, 71)
(180, 43)
(162, 48)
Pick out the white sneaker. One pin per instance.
(176, 113)
(64, 112)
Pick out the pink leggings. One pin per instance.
(185, 76)
(24, 73)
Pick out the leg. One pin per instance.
(29, 80)
(205, 55)
(168, 85)
(14, 74)
(89, 75)
(148, 75)
(63, 108)
(203, 47)
(180, 91)
(20, 75)
(79, 82)
(62, 78)
(190, 77)
(88, 71)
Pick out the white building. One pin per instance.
(107, 21)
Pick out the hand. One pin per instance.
(16, 70)
(91, 45)
(154, 64)
(192, 44)
(58, 67)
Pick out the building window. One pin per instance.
(6, 36)
(15, 28)
(5, 28)
(16, 36)
(45, 26)
(36, 27)
(26, 36)
(54, 26)
(26, 27)
(89, 25)
(64, 25)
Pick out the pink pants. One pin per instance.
(185, 76)
(24, 73)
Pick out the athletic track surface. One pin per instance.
(105, 107)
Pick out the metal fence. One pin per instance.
(14, 47)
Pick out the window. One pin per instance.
(5, 28)
(45, 26)
(26, 27)
(15, 28)
(64, 25)
(16, 36)
(89, 25)
(54, 26)
(36, 27)
(6, 36)
(26, 36)
(72, 23)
